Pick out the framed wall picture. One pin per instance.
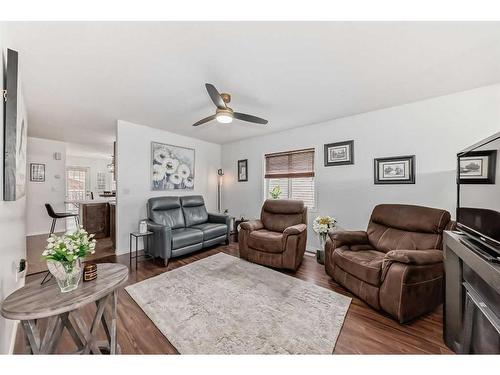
(243, 170)
(101, 180)
(172, 167)
(37, 172)
(395, 170)
(478, 167)
(339, 153)
(15, 126)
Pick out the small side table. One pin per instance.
(236, 224)
(138, 235)
(34, 302)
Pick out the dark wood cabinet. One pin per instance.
(95, 219)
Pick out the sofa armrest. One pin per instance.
(295, 229)
(252, 225)
(341, 238)
(218, 218)
(415, 257)
(162, 240)
(221, 219)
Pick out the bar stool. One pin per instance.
(59, 215)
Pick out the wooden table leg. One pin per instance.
(90, 335)
(77, 339)
(114, 303)
(27, 345)
(52, 333)
(32, 334)
(109, 325)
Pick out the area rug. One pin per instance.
(226, 305)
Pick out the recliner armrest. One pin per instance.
(295, 229)
(416, 257)
(341, 238)
(252, 225)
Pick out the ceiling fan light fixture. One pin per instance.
(224, 117)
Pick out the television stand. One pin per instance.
(485, 251)
(472, 298)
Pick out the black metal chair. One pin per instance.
(59, 215)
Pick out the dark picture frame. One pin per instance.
(394, 170)
(15, 134)
(37, 172)
(243, 170)
(339, 153)
(481, 174)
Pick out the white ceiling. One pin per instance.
(80, 77)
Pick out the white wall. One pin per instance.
(434, 130)
(133, 174)
(52, 191)
(95, 166)
(12, 233)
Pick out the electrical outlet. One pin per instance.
(21, 270)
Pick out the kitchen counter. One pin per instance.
(97, 216)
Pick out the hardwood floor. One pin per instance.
(35, 245)
(365, 330)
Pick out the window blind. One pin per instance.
(290, 164)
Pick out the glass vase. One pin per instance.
(67, 274)
(320, 254)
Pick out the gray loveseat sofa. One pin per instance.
(182, 225)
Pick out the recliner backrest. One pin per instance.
(166, 211)
(279, 214)
(407, 227)
(194, 210)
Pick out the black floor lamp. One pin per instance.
(220, 173)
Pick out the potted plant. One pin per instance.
(275, 192)
(322, 225)
(64, 254)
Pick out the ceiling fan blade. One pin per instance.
(206, 119)
(215, 96)
(249, 118)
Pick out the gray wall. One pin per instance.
(434, 130)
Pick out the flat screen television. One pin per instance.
(478, 194)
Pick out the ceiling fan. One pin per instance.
(223, 113)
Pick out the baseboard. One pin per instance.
(13, 337)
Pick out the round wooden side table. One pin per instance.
(33, 302)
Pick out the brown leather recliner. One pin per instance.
(279, 238)
(397, 264)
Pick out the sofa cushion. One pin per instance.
(366, 265)
(211, 230)
(194, 210)
(186, 236)
(166, 211)
(266, 240)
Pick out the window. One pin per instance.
(293, 172)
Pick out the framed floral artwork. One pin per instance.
(172, 167)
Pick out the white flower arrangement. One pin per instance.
(322, 224)
(69, 247)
